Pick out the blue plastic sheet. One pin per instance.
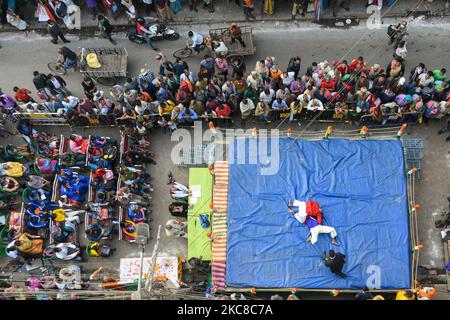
(361, 188)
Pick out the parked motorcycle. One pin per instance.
(160, 31)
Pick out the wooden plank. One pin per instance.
(236, 47)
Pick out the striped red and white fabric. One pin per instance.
(218, 274)
(219, 223)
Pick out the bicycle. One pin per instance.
(58, 67)
(187, 51)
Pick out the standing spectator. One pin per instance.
(248, 7)
(299, 6)
(236, 34)
(246, 106)
(193, 5)
(222, 67)
(55, 32)
(208, 64)
(93, 6)
(338, 4)
(440, 75)
(57, 85)
(164, 63)
(400, 51)
(294, 66)
(60, 9)
(89, 87)
(22, 95)
(176, 6)
(163, 8)
(208, 4)
(130, 9)
(40, 82)
(149, 6)
(105, 28)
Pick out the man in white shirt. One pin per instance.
(315, 105)
(70, 102)
(267, 96)
(220, 49)
(197, 40)
(68, 251)
(246, 107)
(287, 78)
(188, 76)
(254, 80)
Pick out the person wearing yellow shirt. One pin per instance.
(58, 215)
(166, 107)
(405, 295)
(12, 169)
(296, 107)
(29, 244)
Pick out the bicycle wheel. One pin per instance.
(109, 82)
(182, 53)
(57, 68)
(172, 36)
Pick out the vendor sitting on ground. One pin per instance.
(78, 144)
(310, 214)
(12, 169)
(29, 244)
(176, 228)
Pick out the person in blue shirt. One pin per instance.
(187, 117)
(179, 66)
(280, 105)
(208, 64)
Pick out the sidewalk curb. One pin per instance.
(92, 30)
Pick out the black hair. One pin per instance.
(331, 253)
(190, 33)
(35, 73)
(15, 89)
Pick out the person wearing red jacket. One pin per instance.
(22, 95)
(357, 65)
(223, 110)
(342, 67)
(328, 84)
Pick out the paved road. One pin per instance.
(20, 56)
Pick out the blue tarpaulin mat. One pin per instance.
(361, 188)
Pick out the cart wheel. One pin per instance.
(182, 53)
(172, 36)
(107, 81)
(57, 68)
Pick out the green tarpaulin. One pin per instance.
(200, 183)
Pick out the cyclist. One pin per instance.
(142, 31)
(69, 58)
(197, 41)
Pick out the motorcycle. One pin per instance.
(160, 31)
